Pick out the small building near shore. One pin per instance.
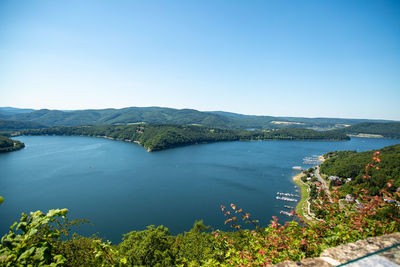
(333, 178)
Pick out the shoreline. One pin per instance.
(304, 192)
(366, 135)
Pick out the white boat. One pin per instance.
(286, 213)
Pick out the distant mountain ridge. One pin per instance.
(11, 110)
(128, 115)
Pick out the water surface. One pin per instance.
(120, 187)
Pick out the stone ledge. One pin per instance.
(351, 251)
(361, 248)
(306, 262)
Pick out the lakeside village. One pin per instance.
(310, 182)
(288, 197)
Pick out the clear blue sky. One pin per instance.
(285, 58)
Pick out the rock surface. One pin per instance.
(360, 253)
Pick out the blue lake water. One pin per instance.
(120, 187)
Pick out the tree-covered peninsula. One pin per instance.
(8, 145)
(156, 137)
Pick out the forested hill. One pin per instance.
(8, 145)
(122, 116)
(388, 129)
(8, 125)
(12, 111)
(169, 115)
(163, 136)
(349, 164)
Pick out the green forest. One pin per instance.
(156, 137)
(8, 125)
(349, 164)
(388, 129)
(12, 119)
(8, 145)
(162, 115)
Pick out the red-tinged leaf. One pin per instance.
(228, 220)
(239, 210)
(262, 252)
(227, 212)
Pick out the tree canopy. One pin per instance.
(388, 129)
(8, 145)
(171, 116)
(349, 164)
